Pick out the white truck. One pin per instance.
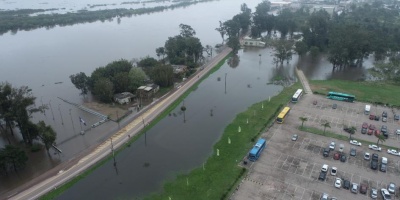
(367, 109)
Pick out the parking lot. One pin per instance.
(290, 169)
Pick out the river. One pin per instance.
(43, 57)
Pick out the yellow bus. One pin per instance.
(282, 115)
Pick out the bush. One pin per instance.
(36, 147)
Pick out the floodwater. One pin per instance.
(44, 58)
(173, 146)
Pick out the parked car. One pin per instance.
(377, 132)
(371, 127)
(370, 132)
(374, 147)
(326, 152)
(332, 146)
(398, 132)
(363, 188)
(364, 125)
(384, 119)
(377, 118)
(364, 130)
(396, 117)
(374, 164)
(355, 142)
(334, 106)
(324, 196)
(294, 137)
(391, 187)
(393, 152)
(384, 129)
(385, 134)
(324, 168)
(343, 158)
(333, 171)
(371, 117)
(347, 129)
(385, 194)
(341, 147)
(346, 184)
(353, 152)
(374, 193)
(384, 114)
(383, 167)
(322, 176)
(338, 183)
(354, 188)
(375, 157)
(336, 156)
(367, 156)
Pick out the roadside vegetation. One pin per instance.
(376, 92)
(219, 175)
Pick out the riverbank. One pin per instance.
(221, 173)
(376, 92)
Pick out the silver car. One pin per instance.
(374, 193)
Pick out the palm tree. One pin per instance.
(303, 119)
(352, 130)
(183, 109)
(381, 139)
(326, 124)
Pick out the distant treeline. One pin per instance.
(21, 20)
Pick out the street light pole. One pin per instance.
(145, 134)
(59, 109)
(225, 81)
(71, 119)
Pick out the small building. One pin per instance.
(179, 69)
(124, 97)
(147, 91)
(250, 42)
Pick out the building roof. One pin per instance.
(124, 95)
(141, 87)
(148, 89)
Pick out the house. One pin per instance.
(147, 91)
(124, 97)
(250, 42)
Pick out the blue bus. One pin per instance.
(256, 150)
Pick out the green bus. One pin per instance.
(341, 96)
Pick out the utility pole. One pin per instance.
(51, 108)
(225, 82)
(145, 132)
(59, 109)
(118, 120)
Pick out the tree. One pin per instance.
(381, 139)
(221, 30)
(186, 30)
(104, 90)
(137, 78)
(388, 70)
(352, 130)
(301, 48)
(121, 82)
(183, 109)
(303, 119)
(163, 75)
(47, 135)
(160, 51)
(80, 81)
(325, 124)
(232, 28)
(234, 44)
(14, 156)
(283, 51)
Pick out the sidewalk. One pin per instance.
(304, 81)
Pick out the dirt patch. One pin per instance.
(110, 110)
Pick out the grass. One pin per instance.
(339, 137)
(221, 174)
(58, 191)
(373, 92)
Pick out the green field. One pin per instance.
(221, 174)
(372, 92)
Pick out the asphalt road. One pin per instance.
(118, 139)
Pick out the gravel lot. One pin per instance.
(289, 169)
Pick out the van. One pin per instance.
(367, 109)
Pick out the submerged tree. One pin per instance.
(81, 82)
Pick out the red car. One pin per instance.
(365, 125)
(377, 132)
(372, 117)
(370, 132)
(372, 127)
(336, 156)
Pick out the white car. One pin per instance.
(333, 171)
(393, 152)
(398, 131)
(332, 146)
(338, 183)
(374, 147)
(325, 168)
(355, 142)
(385, 194)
